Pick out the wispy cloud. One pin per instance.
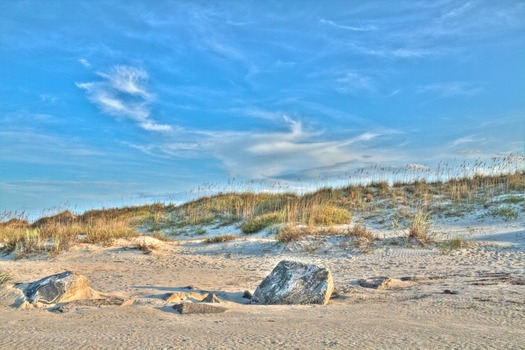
(123, 94)
(39, 147)
(84, 62)
(352, 82)
(462, 140)
(451, 89)
(355, 28)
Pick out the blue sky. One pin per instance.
(116, 102)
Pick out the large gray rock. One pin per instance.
(293, 282)
(56, 288)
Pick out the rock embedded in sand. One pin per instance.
(191, 308)
(293, 282)
(56, 288)
(177, 297)
(381, 283)
(212, 298)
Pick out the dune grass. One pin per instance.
(53, 236)
(5, 277)
(220, 239)
(296, 215)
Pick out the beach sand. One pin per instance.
(467, 298)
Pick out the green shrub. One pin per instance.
(506, 212)
(329, 215)
(257, 223)
(453, 244)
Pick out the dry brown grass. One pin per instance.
(361, 232)
(59, 233)
(289, 233)
(420, 228)
(220, 239)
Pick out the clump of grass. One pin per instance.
(290, 233)
(200, 231)
(261, 222)
(5, 277)
(453, 244)
(360, 231)
(506, 212)
(220, 239)
(105, 231)
(515, 199)
(327, 215)
(419, 228)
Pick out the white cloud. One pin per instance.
(84, 62)
(123, 94)
(128, 80)
(155, 127)
(272, 154)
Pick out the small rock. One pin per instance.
(293, 282)
(191, 308)
(25, 306)
(212, 298)
(247, 294)
(111, 301)
(448, 291)
(177, 297)
(382, 283)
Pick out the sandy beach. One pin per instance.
(466, 298)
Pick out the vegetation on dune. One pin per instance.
(420, 228)
(260, 222)
(290, 233)
(53, 236)
(220, 239)
(5, 277)
(450, 245)
(411, 206)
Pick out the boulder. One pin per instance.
(57, 288)
(293, 282)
